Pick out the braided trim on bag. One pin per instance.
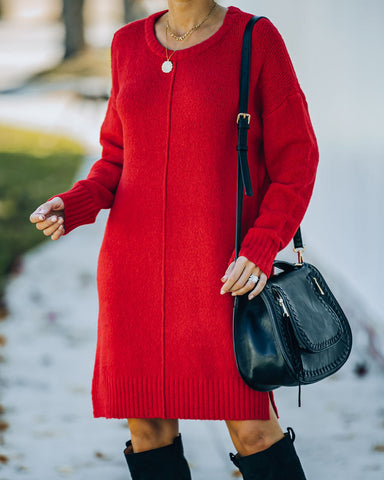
(290, 349)
(294, 355)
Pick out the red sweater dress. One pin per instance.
(168, 174)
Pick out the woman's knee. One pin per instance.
(251, 436)
(149, 433)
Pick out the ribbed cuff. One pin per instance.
(79, 208)
(260, 248)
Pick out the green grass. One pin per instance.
(33, 167)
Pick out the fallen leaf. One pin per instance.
(361, 369)
(3, 312)
(51, 316)
(22, 468)
(65, 469)
(3, 425)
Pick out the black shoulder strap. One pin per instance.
(243, 121)
(243, 118)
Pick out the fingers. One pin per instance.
(45, 209)
(228, 271)
(51, 221)
(247, 284)
(238, 276)
(58, 233)
(237, 280)
(259, 286)
(53, 226)
(49, 217)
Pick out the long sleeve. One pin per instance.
(290, 152)
(87, 197)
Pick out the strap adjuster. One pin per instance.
(244, 115)
(299, 252)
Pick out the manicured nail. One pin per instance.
(60, 220)
(222, 292)
(224, 278)
(41, 217)
(61, 227)
(234, 294)
(250, 297)
(53, 219)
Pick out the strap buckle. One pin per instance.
(300, 258)
(244, 115)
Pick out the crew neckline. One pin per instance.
(159, 49)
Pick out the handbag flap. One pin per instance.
(304, 299)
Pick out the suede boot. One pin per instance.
(164, 463)
(278, 462)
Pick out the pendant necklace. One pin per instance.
(167, 65)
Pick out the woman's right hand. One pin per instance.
(49, 217)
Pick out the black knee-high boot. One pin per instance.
(164, 463)
(278, 462)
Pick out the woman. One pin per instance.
(168, 174)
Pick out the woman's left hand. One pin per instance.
(237, 280)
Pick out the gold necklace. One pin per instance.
(195, 27)
(167, 65)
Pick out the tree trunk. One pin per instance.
(73, 18)
(133, 10)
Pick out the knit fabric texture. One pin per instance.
(168, 175)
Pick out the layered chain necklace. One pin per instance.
(167, 65)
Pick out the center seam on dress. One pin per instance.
(172, 74)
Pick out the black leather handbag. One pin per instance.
(294, 332)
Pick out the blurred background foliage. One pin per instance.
(33, 165)
(79, 56)
(72, 13)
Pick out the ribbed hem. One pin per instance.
(79, 207)
(260, 248)
(184, 398)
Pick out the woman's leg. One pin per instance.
(150, 433)
(155, 450)
(264, 451)
(251, 436)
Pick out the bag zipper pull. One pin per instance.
(281, 303)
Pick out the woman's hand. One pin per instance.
(237, 280)
(49, 217)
